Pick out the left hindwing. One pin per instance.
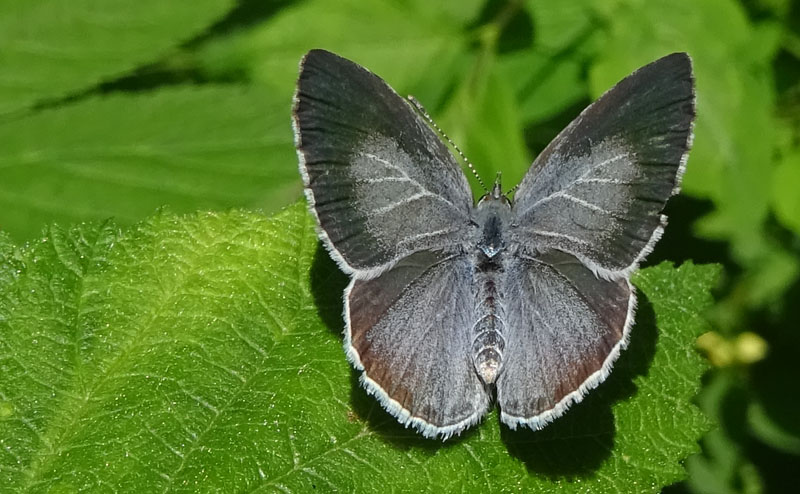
(409, 331)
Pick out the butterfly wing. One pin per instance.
(597, 191)
(565, 327)
(380, 182)
(585, 214)
(409, 331)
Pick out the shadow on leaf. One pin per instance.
(327, 287)
(571, 447)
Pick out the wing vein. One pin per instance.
(546, 233)
(405, 200)
(404, 175)
(420, 236)
(560, 193)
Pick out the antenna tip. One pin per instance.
(497, 188)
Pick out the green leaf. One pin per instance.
(416, 46)
(544, 85)
(785, 187)
(125, 155)
(51, 48)
(723, 467)
(204, 353)
(482, 117)
(549, 77)
(559, 24)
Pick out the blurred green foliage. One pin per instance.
(116, 108)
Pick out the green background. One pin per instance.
(113, 109)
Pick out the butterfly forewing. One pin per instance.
(597, 191)
(382, 184)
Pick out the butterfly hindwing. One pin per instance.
(409, 331)
(564, 329)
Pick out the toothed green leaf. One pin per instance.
(203, 352)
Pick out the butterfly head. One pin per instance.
(495, 195)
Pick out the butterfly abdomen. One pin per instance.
(488, 342)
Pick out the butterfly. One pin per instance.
(453, 306)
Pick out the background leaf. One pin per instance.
(724, 164)
(50, 49)
(786, 196)
(413, 44)
(205, 352)
(483, 115)
(124, 155)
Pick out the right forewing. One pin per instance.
(380, 181)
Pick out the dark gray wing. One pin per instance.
(565, 327)
(380, 181)
(597, 191)
(409, 331)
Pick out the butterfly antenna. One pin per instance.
(424, 113)
(512, 190)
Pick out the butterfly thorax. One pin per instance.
(491, 215)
